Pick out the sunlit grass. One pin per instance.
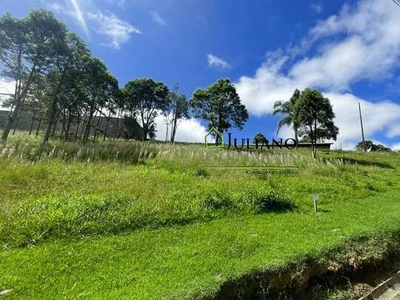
(138, 214)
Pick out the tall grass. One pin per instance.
(126, 185)
(31, 149)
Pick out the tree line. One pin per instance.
(56, 75)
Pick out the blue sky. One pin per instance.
(350, 50)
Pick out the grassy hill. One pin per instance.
(153, 221)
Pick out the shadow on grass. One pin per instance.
(113, 216)
(324, 210)
(273, 203)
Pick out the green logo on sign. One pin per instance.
(219, 138)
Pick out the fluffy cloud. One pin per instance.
(396, 147)
(381, 117)
(116, 30)
(188, 130)
(215, 61)
(362, 42)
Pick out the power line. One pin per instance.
(397, 2)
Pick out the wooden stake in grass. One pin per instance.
(315, 200)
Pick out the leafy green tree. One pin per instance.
(380, 147)
(64, 85)
(28, 48)
(178, 108)
(286, 108)
(220, 105)
(314, 115)
(144, 99)
(102, 91)
(259, 138)
(370, 146)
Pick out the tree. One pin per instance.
(259, 138)
(27, 49)
(102, 91)
(370, 146)
(220, 105)
(144, 99)
(63, 84)
(314, 115)
(178, 109)
(286, 108)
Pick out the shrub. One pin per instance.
(272, 202)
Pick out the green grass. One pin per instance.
(156, 222)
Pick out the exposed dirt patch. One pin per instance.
(346, 272)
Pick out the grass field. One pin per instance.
(152, 221)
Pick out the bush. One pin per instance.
(272, 202)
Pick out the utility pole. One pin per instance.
(362, 127)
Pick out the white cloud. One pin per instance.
(360, 43)
(188, 130)
(56, 7)
(215, 61)
(380, 117)
(117, 30)
(157, 19)
(396, 147)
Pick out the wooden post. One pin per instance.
(315, 200)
